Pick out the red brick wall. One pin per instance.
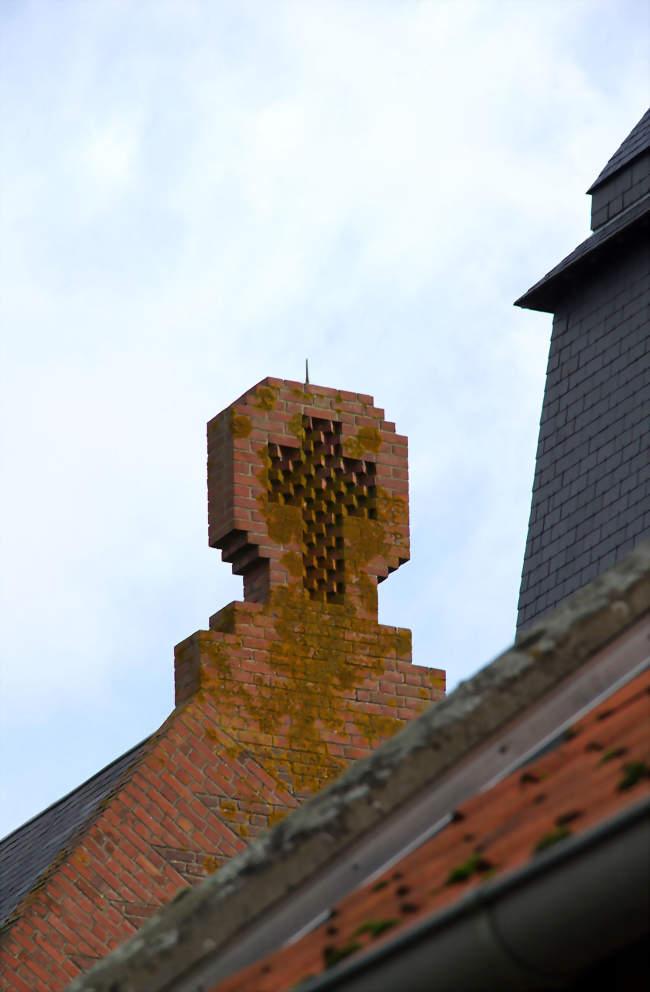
(308, 498)
(159, 832)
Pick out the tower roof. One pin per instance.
(620, 215)
(637, 142)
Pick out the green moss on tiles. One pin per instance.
(377, 927)
(333, 955)
(568, 817)
(475, 864)
(633, 773)
(612, 753)
(554, 836)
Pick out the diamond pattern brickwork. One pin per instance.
(327, 486)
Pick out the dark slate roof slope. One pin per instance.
(30, 850)
(637, 141)
(546, 293)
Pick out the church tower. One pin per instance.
(591, 491)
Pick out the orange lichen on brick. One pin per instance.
(240, 426)
(265, 397)
(367, 439)
(296, 691)
(324, 518)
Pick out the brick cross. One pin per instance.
(327, 486)
(308, 485)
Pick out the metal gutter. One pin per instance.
(537, 928)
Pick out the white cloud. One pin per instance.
(109, 154)
(198, 195)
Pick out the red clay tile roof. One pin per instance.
(600, 767)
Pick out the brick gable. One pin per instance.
(308, 493)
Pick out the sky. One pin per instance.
(197, 194)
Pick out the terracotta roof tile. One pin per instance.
(600, 766)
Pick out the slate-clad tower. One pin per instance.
(591, 492)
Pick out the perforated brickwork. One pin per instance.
(327, 487)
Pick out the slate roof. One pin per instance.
(31, 850)
(597, 769)
(543, 295)
(637, 141)
(630, 223)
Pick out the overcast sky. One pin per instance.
(200, 194)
